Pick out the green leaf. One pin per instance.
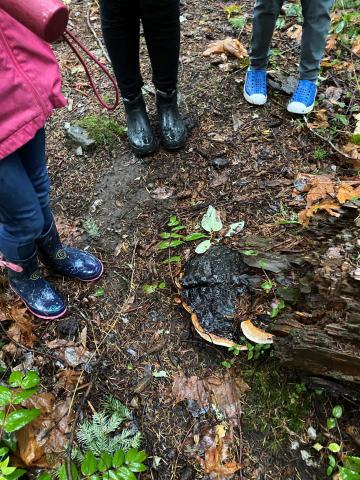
(329, 470)
(160, 374)
(174, 259)
(162, 285)
(164, 235)
(250, 253)
(134, 456)
(19, 472)
(211, 220)
(173, 221)
(203, 247)
(267, 285)
(353, 463)
(195, 236)
(5, 396)
(235, 228)
(4, 463)
(105, 462)
(163, 245)
(226, 364)
(111, 475)
(19, 397)
(277, 309)
(149, 289)
(331, 460)
(178, 228)
(137, 467)
(238, 22)
(18, 419)
(125, 474)
(15, 379)
(89, 464)
(100, 292)
(44, 476)
(334, 447)
(176, 243)
(118, 458)
(30, 380)
(8, 470)
(331, 423)
(3, 451)
(337, 411)
(340, 26)
(318, 447)
(346, 474)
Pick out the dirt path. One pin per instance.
(125, 204)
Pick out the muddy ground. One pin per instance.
(116, 205)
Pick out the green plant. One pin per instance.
(238, 23)
(91, 228)
(12, 418)
(276, 308)
(102, 129)
(119, 466)
(148, 289)
(319, 154)
(99, 433)
(231, 10)
(255, 351)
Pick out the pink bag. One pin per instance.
(46, 18)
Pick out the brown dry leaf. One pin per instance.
(356, 46)
(45, 438)
(22, 328)
(321, 120)
(67, 379)
(192, 388)
(352, 150)
(295, 32)
(330, 206)
(229, 45)
(347, 192)
(331, 43)
(216, 454)
(321, 187)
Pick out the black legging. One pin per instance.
(121, 30)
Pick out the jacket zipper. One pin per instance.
(22, 73)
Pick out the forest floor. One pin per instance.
(137, 344)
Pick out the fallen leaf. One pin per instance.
(295, 33)
(70, 232)
(352, 150)
(22, 328)
(321, 120)
(331, 43)
(229, 45)
(347, 192)
(331, 207)
(67, 379)
(356, 45)
(333, 94)
(162, 193)
(42, 442)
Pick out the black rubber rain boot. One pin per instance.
(172, 125)
(39, 296)
(140, 134)
(68, 261)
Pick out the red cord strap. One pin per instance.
(67, 36)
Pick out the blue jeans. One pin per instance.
(25, 211)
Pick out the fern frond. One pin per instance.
(113, 406)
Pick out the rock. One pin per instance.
(219, 162)
(78, 135)
(283, 83)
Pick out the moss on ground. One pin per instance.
(103, 130)
(276, 405)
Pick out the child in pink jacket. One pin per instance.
(30, 89)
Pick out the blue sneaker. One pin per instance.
(255, 87)
(303, 98)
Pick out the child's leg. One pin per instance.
(315, 30)
(33, 158)
(21, 217)
(266, 13)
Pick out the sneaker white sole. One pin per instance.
(299, 108)
(255, 98)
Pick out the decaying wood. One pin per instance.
(324, 340)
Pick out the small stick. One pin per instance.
(324, 139)
(92, 30)
(72, 436)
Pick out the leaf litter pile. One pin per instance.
(279, 189)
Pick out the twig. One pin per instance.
(329, 142)
(92, 30)
(72, 435)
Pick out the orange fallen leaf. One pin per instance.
(331, 207)
(229, 45)
(216, 456)
(347, 192)
(295, 33)
(22, 328)
(321, 120)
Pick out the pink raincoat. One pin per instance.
(30, 84)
